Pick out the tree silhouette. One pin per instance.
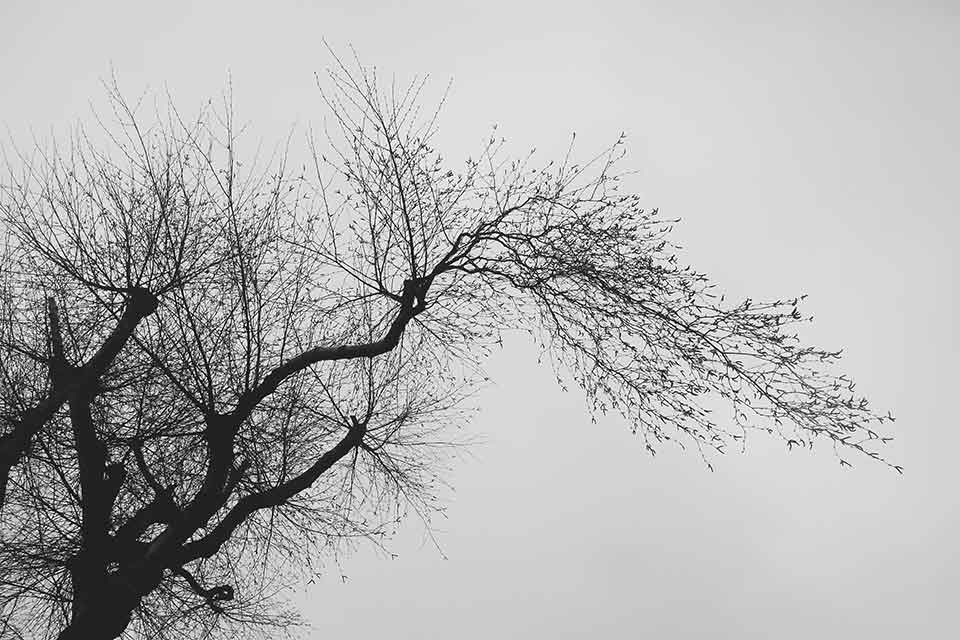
(214, 370)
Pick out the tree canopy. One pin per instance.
(215, 366)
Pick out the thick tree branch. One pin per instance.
(412, 302)
(212, 596)
(221, 430)
(14, 444)
(211, 543)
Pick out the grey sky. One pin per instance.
(808, 147)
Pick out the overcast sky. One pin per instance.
(808, 148)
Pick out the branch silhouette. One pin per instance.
(214, 370)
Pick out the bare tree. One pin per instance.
(214, 370)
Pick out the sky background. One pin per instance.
(808, 147)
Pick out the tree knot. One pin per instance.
(142, 301)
